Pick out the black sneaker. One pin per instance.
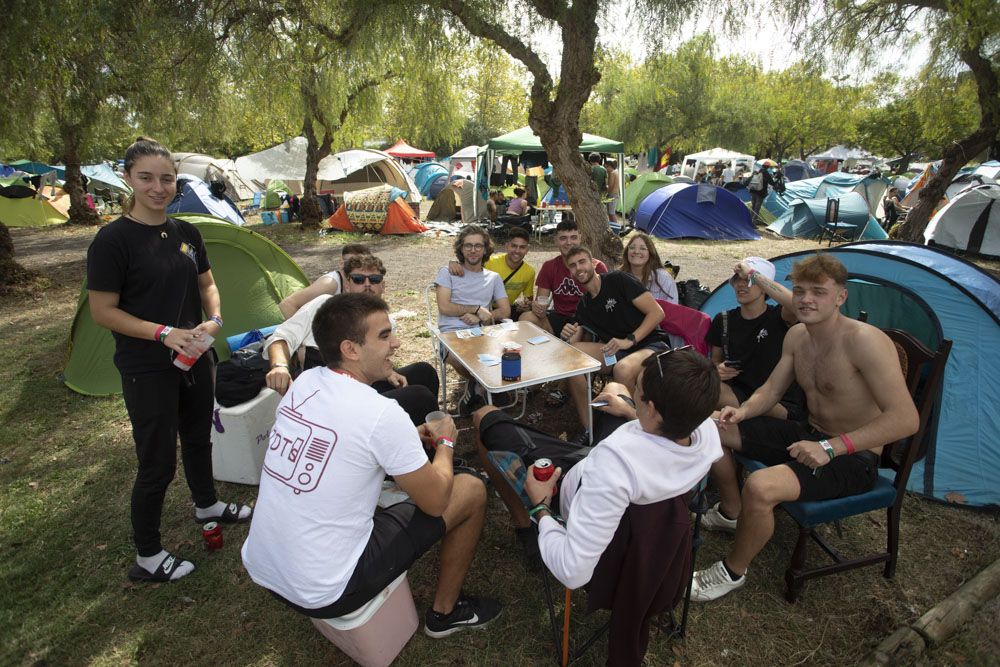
(469, 612)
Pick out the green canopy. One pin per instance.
(525, 139)
(640, 188)
(253, 276)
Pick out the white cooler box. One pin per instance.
(240, 436)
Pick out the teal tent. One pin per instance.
(253, 276)
(804, 219)
(830, 185)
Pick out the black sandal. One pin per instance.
(161, 574)
(231, 514)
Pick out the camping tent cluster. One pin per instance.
(695, 161)
(800, 209)
(933, 296)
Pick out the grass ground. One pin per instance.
(66, 469)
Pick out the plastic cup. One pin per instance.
(185, 362)
(437, 415)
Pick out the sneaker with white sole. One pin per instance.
(714, 582)
(714, 520)
(469, 613)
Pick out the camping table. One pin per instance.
(547, 215)
(553, 360)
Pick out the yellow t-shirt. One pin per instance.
(522, 282)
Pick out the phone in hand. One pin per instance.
(735, 364)
(598, 404)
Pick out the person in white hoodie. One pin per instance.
(667, 445)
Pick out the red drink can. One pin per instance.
(543, 470)
(211, 532)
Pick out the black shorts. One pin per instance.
(654, 345)
(500, 432)
(796, 411)
(767, 439)
(557, 322)
(402, 533)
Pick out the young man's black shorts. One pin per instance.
(796, 411)
(767, 439)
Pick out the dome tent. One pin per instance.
(804, 218)
(252, 273)
(932, 295)
(641, 187)
(690, 210)
(969, 222)
(195, 196)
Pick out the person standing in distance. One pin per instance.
(149, 281)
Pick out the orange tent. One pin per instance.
(371, 211)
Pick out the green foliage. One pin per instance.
(947, 107)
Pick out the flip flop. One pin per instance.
(229, 515)
(161, 574)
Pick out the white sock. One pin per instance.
(216, 510)
(150, 563)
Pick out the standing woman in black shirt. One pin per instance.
(150, 283)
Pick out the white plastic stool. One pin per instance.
(239, 438)
(374, 635)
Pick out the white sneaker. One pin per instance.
(713, 583)
(713, 520)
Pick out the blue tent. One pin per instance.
(797, 170)
(194, 196)
(689, 210)
(426, 173)
(830, 185)
(804, 219)
(104, 176)
(932, 295)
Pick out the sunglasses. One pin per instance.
(659, 357)
(359, 279)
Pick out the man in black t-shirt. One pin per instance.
(617, 320)
(746, 341)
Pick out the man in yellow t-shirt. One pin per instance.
(518, 276)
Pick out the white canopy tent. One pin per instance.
(355, 169)
(692, 162)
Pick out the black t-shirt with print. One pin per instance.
(611, 314)
(154, 270)
(757, 344)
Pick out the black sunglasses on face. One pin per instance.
(660, 356)
(359, 279)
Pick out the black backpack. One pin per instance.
(241, 378)
(691, 293)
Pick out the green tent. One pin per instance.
(272, 195)
(640, 188)
(20, 207)
(253, 276)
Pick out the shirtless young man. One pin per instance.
(857, 400)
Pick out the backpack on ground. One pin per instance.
(691, 293)
(241, 377)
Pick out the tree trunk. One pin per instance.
(958, 153)
(79, 212)
(11, 273)
(310, 212)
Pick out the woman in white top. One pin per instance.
(643, 262)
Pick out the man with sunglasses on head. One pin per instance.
(746, 341)
(414, 387)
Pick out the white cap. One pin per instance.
(761, 265)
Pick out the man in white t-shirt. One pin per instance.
(316, 541)
(477, 296)
(329, 283)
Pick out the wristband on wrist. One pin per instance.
(538, 508)
(159, 330)
(217, 319)
(750, 275)
(825, 444)
(444, 441)
(279, 365)
(847, 443)
(164, 332)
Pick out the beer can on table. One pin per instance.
(211, 532)
(543, 470)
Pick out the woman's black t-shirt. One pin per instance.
(154, 270)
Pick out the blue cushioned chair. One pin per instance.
(924, 371)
